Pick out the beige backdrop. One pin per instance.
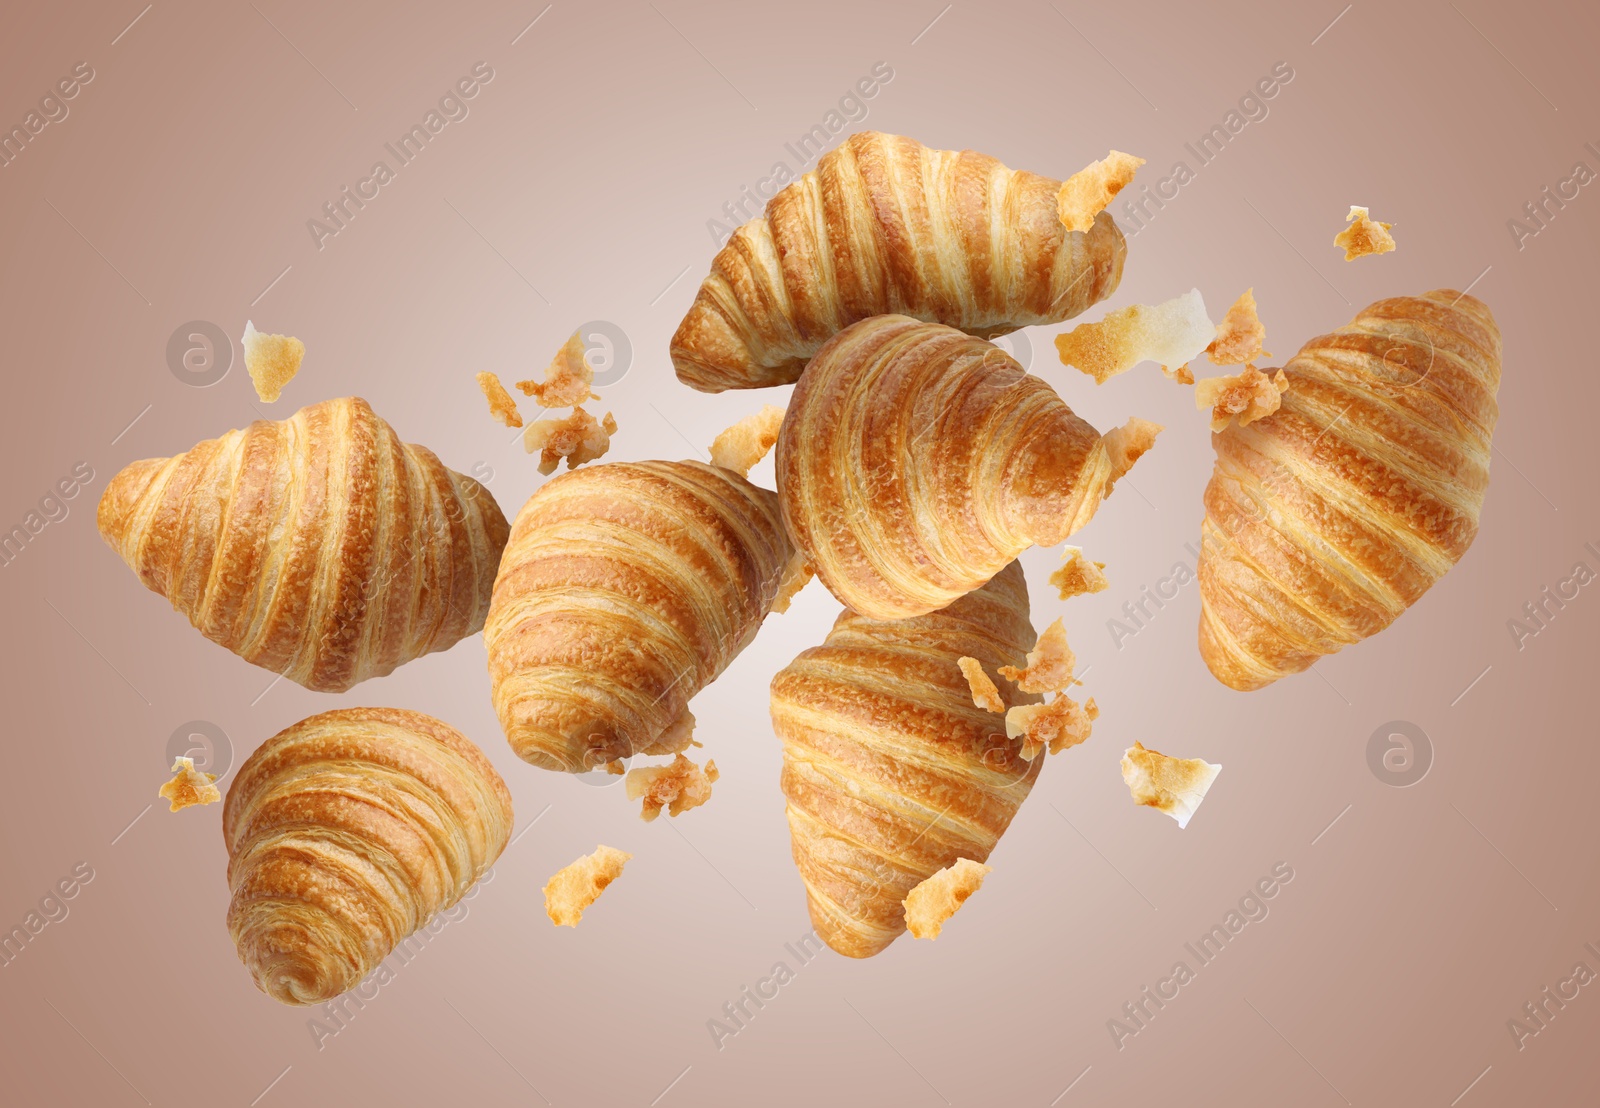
(578, 185)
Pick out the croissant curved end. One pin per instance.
(114, 516)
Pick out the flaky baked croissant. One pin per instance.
(915, 462)
(1327, 519)
(891, 772)
(884, 224)
(346, 833)
(626, 589)
(320, 547)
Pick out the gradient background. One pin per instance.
(1419, 919)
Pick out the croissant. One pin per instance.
(346, 833)
(320, 547)
(625, 589)
(915, 462)
(1329, 518)
(890, 771)
(884, 224)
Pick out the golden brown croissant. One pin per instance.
(891, 772)
(915, 462)
(1327, 519)
(626, 589)
(320, 547)
(346, 833)
(884, 224)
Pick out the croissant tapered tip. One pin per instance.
(120, 502)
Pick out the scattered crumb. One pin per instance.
(1175, 786)
(1363, 236)
(1126, 445)
(676, 738)
(985, 694)
(1250, 396)
(501, 404)
(1078, 575)
(1056, 724)
(676, 787)
(272, 360)
(797, 574)
(744, 444)
(579, 885)
(1239, 336)
(1050, 663)
(616, 767)
(1171, 333)
(577, 438)
(1180, 374)
(190, 787)
(568, 380)
(1086, 193)
(941, 896)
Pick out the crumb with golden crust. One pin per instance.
(271, 360)
(677, 787)
(1175, 786)
(578, 438)
(501, 403)
(1086, 193)
(1246, 396)
(1050, 663)
(933, 901)
(1125, 445)
(575, 887)
(189, 787)
(797, 574)
(1077, 575)
(1239, 335)
(1363, 236)
(1171, 333)
(1057, 724)
(744, 444)
(985, 694)
(568, 380)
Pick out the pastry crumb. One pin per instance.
(1086, 193)
(1050, 663)
(1057, 724)
(189, 787)
(1175, 786)
(579, 885)
(1125, 445)
(501, 403)
(797, 574)
(1239, 335)
(272, 360)
(616, 767)
(1171, 333)
(933, 901)
(744, 444)
(985, 694)
(676, 787)
(1363, 236)
(568, 380)
(1077, 575)
(578, 438)
(1247, 396)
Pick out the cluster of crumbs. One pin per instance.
(939, 897)
(1125, 445)
(1055, 725)
(578, 438)
(189, 787)
(579, 885)
(1172, 333)
(1363, 236)
(1077, 575)
(568, 380)
(744, 444)
(1246, 396)
(1175, 786)
(272, 360)
(1050, 663)
(1240, 335)
(1086, 193)
(677, 787)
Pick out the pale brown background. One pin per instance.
(578, 189)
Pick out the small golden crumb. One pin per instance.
(190, 786)
(744, 444)
(501, 404)
(1078, 575)
(568, 380)
(577, 438)
(675, 738)
(985, 694)
(1086, 193)
(579, 885)
(1175, 786)
(1239, 336)
(272, 360)
(1363, 236)
(1050, 663)
(1250, 396)
(1181, 374)
(676, 787)
(797, 574)
(616, 767)
(941, 896)
(1126, 445)
(1172, 333)
(1055, 725)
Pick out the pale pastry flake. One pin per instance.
(1239, 335)
(1172, 333)
(1249, 396)
(1175, 786)
(1363, 236)
(985, 694)
(579, 885)
(744, 444)
(677, 787)
(1086, 193)
(1077, 575)
(272, 360)
(797, 574)
(1181, 374)
(1050, 663)
(501, 403)
(1057, 724)
(932, 902)
(1126, 445)
(190, 786)
(677, 737)
(578, 438)
(568, 380)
